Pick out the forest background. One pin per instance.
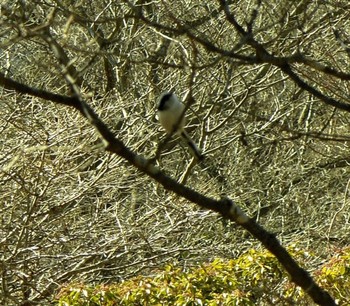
(267, 89)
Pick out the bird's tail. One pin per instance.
(191, 145)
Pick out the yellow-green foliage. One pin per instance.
(335, 276)
(255, 278)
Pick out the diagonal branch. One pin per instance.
(11, 84)
(302, 84)
(225, 207)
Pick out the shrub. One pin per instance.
(255, 278)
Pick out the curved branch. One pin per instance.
(225, 207)
(302, 84)
(43, 94)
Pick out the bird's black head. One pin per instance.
(163, 100)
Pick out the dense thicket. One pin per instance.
(270, 83)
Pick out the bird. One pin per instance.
(170, 113)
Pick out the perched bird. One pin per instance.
(171, 117)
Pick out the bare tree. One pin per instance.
(267, 83)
